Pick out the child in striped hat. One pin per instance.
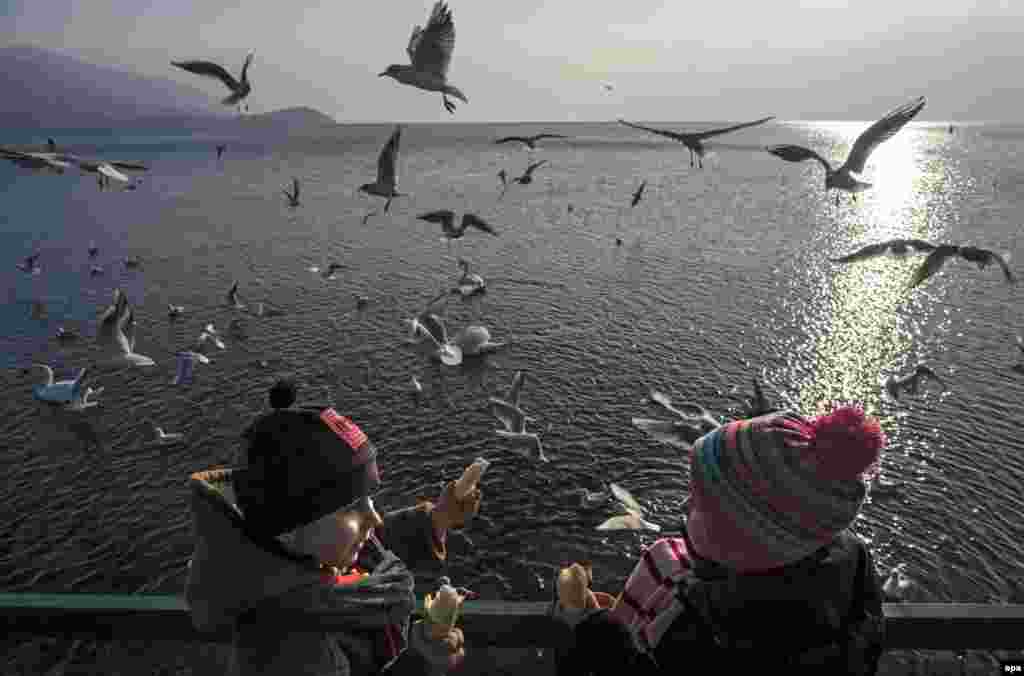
(767, 571)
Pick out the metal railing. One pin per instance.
(924, 626)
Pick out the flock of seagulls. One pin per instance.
(429, 51)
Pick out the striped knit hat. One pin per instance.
(768, 491)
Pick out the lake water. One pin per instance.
(722, 272)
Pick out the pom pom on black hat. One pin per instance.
(282, 394)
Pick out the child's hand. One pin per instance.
(450, 512)
(444, 652)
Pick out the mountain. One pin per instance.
(297, 118)
(44, 88)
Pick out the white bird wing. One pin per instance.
(511, 416)
(513, 391)
(879, 132)
(430, 49)
(125, 335)
(386, 163)
(624, 496)
(49, 373)
(109, 171)
(622, 522)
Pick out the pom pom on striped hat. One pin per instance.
(845, 443)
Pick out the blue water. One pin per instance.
(722, 272)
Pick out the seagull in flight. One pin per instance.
(220, 150)
(446, 219)
(638, 194)
(430, 54)
(911, 383)
(209, 334)
(43, 161)
(293, 196)
(842, 179)
(897, 247)
(386, 184)
(328, 272)
(529, 141)
(694, 140)
(527, 177)
(93, 249)
(680, 433)
(29, 265)
(981, 257)
(165, 438)
(239, 88)
(123, 336)
(174, 311)
(633, 518)
(69, 393)
(132, 263)
(233, 298)
(508, 412)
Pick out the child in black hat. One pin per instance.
(297, 529)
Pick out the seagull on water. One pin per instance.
(508, 412)
(470, 282)
(29, 265)
(328, 272)
(430, 54)
(528, 141)
(694, 141)
(638, 194)
(386, 184)
(293, 196)
(911, 383)
(842, 179)
(633, 518)
(446, 219)
(165, 438)
(240, 88)
(174, 311)
(233, 297)
(981, 257)
(475, 340)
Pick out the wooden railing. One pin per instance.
(935, 626)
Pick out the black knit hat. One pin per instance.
(303, 463)
(282, 394)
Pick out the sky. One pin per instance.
(533, 60)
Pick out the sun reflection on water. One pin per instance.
(861, 321)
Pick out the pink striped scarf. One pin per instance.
(648, 604)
